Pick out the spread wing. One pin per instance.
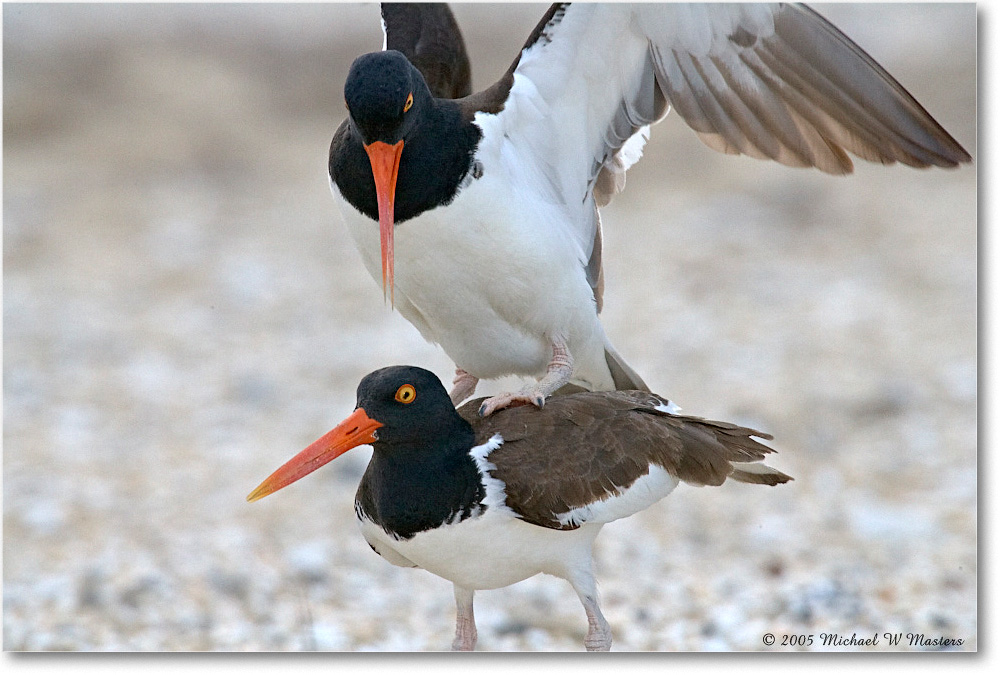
(582, 457)
(428, 35)
(766, 80)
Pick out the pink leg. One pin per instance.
(558, 373)
(465, 386)
(465, 622)
(598, 638)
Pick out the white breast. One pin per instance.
(489, 551)
(490, 279)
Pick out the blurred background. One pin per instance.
(183, 311)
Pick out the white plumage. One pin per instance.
(506, 277)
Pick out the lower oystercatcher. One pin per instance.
(487, 502)
(479, 213)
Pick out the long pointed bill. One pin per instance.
(357, 429)
(385, 166)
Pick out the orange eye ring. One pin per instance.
(409, 102)
(406, 394)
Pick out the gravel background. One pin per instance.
(183, 310)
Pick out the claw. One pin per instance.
(559, 371)
(501, 401)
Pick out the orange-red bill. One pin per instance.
(384, 159)
(357, 429)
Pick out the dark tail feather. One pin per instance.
(624, 377)
(758, 473)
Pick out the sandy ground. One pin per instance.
(183, 310)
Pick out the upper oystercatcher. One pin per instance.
(490, 238)
(487, 502)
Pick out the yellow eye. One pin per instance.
(409, 102)
(406, 394)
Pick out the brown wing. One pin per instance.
(799, 92)
(582, 448)
(428, 35)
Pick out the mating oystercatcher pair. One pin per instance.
(486, 502)
(489, 242)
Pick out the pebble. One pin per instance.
(183, 311)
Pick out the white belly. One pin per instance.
(492, 283)
(505, 550)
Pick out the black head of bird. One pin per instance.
(387, 98)
(385, 95)
(412, 406)
(399, 409)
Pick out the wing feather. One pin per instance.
(810, 67)
(428, 35)
(771, 81)
(582, 454)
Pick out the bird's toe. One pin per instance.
(501, 401)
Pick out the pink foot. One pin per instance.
(558, 373)
(511, 400)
